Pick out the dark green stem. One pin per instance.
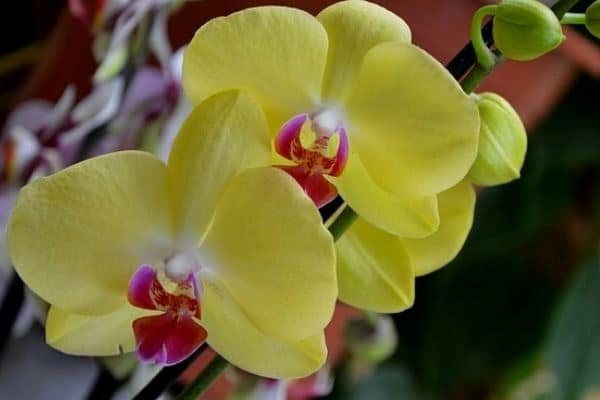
(485, 56)
(573, 19)
(343, 221)
(476, 76)
(205, 379)
(561, 7)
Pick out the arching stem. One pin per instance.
(485, 56)
(573, 19)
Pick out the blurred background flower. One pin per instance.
(515, 316)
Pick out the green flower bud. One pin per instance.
(371, 338)
(592, 18)
(502, 142)
(526, 29)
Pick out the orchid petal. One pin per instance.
(222, 136)
(234, 335)
(61, 109)
(277, 54)
(85, 335)
(412, 125)
(147, 84)
(395, 214)
(144, 287)
(76, 237)
(30, 116)
(374, 270)
(159, 39)
(268, 246)
(456, 217)
(96, 109)
(353, 28)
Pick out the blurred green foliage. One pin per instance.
(574, 344)
(485, 325)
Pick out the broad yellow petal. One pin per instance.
(412, 125)
(268, 246)
(277, 54)
(222, 136)
(374, 270)
(353, 28)
(456, 217)
(101, 335)
(397, 215)
(77, 236)
(233, 335)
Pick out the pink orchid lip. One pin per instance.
(312, 163)
(288, 133)
(172, 336)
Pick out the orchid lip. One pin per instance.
(173, 335)
(314, 161)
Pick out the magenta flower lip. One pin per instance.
(172, 336)
(313, 162)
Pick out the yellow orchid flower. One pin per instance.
(133, 254)
(353, 108)
(350, 103)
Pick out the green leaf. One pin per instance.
(574, 342)
(479, 319)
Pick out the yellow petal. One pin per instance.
(222, 136)
(84, 335)
(410, 122)
(233, 335)
(268, 246)
(398, 215)
(76, 237)
(277, 54)
(374, 270)
(353, 28)
(456, 217)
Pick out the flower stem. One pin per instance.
(205, 379)
(474, 78)
(561, 7)
(573, 19)
(485, 57)
(463, 61)
(343, 221)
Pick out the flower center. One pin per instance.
(310, 142)
(174, 334)
(179, 266)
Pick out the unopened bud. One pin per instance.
(371, 338)
(526, 29)
(592, 18)
(502, 142)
